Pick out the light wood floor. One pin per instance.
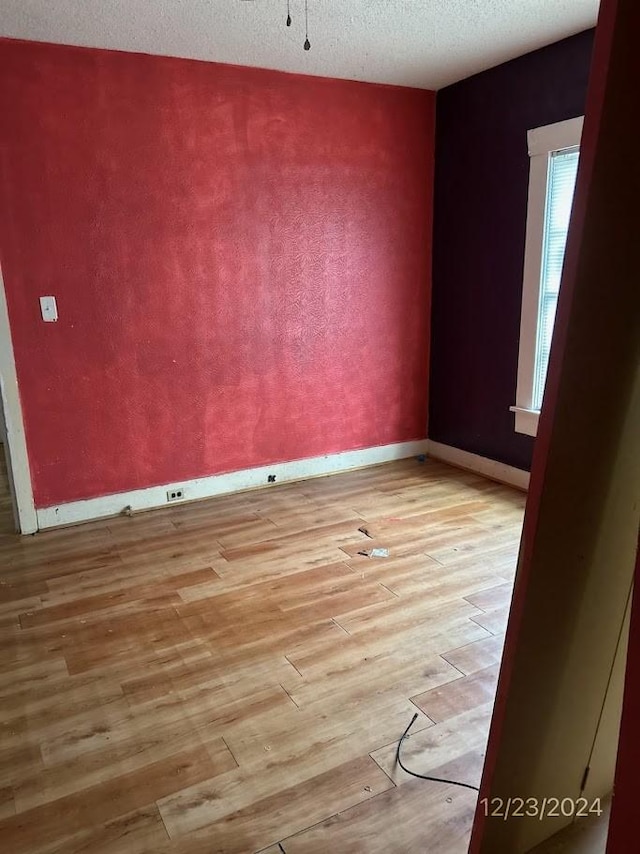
(584, 836)
(232, 676)
(6, 513)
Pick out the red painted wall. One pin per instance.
(241, 260)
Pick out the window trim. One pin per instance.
(542, 142)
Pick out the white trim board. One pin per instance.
(542, 142)
(555, 137)
(223, 484)
(480, 465)
(16, 443)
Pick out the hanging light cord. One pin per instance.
(424, 776)
(307, 43)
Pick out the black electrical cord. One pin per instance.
(424, 776)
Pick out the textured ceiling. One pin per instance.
(424, 43)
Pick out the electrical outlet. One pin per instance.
(175, 494)
(271, 478)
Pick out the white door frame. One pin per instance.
(16, 443)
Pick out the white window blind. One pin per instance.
(563, 168)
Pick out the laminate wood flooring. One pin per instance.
(233, 675)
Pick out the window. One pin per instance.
(554, 152)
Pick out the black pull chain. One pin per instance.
(307, 43)
(288, 14)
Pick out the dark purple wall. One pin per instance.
(482, 174)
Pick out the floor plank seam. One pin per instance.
(233, 756)
(289, 695)
(396, 740)
(386, 773)
(350, 568)
(340, 626)
(413, 703)
(477, 607)
(294, 667)
(162, 820)
(345, 810)
(393, 593)
(489, 634)
(479, 592)
(493, 634)
(443, 656)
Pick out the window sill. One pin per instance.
(526, 420)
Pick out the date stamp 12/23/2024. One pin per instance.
(540, 808)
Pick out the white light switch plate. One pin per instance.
(49, 309)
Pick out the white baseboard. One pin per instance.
(480, 465)
(223, 484)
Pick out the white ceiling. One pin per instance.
(423, 43)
